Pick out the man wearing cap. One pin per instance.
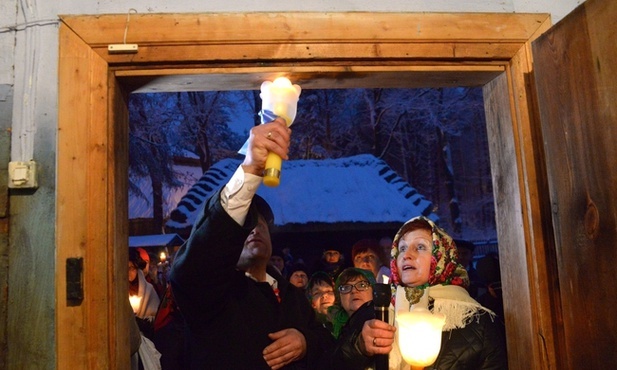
(240, 313)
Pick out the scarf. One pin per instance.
(445, 288)
(149, 304)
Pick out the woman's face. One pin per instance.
(132, 271)
(367, 261)
(352, 300)
(322, 297)
(299, 279)
(414, 258)
(332, 256)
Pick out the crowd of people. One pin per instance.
(231, 301)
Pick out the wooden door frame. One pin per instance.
(317, 50)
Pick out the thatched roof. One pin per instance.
(359, 189)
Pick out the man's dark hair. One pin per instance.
(264, 209)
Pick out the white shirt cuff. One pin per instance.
(238, 193)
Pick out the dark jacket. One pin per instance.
(347, 354)
(229, 315)
(478, 346)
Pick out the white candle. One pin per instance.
(135, 302)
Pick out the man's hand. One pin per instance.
(376, 338)
(269, 137)
(288, 345)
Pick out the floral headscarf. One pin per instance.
(445, 270)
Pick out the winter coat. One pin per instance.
(228, 314)
(477, 346)
(346, 354)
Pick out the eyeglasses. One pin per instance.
(360, 286)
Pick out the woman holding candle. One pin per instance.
(143, 297)
(424, 263)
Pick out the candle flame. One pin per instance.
(135, 302)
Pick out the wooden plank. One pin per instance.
(539, 255)
(81, 228)
(117, 251)
(275, 28)
(575, 75)
(509, 213)
(299, 52)
(221, 79)
(70, 233)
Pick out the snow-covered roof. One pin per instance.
(360, 189)
(158, 240)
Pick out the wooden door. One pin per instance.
(193, 52)
(576, 76)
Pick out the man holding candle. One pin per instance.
(240, 313)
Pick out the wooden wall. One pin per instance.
(576, 75)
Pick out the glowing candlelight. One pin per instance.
(279, 97)
(162, 256)
(135, 302)
(419, 336)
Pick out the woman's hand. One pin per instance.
(377, 337)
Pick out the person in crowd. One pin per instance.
(332, 262)
(169, 333)
(144, 299)
(354, 323)
(277, 260)
(239, 311)
(149, 270)
(320, 292)
(386, 246)
(424, 262)
(465, 251)
(289, 258)
(134, 338)
(298, 276)
(490, 275)
(367, 254)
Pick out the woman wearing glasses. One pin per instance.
(354, 323)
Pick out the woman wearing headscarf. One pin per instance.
(424, 263)
(143, 297)
(353, 320)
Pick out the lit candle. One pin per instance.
(281, 98)
(419, 336)
(162, 256)
(135, 302)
